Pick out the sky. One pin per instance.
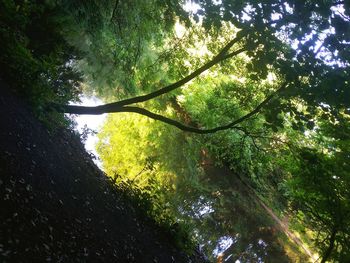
(93, 122)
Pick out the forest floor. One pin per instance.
(57, 206)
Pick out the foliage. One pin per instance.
(320, 190)
(35, 58)
(280, 68)
(318, 31)
(232, 89)
(136, 151)
(118, 38)
(148, 202)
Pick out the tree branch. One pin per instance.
(94, 110)
(217, 59)
(170, 87)
(114, 11)
(115, 106)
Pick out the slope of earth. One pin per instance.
(57, 206)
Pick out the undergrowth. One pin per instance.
(147, 203)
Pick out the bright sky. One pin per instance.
(93, 122)
(190, 6)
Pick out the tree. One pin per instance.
(305, 44)
(305, 73)
(121, 106)
(268, 74)
(320, 191)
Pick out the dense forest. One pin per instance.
(219, 111)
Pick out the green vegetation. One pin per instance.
(260, 87)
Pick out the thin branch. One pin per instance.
(139, 173)
(116, 106)
(226, 48)
(171, 87)
(217, 59)
(114, 11)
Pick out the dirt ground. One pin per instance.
(57, 206)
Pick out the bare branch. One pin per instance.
(73, 109)
(95, 110)
(114, 11)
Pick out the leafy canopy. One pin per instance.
(270, 79)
